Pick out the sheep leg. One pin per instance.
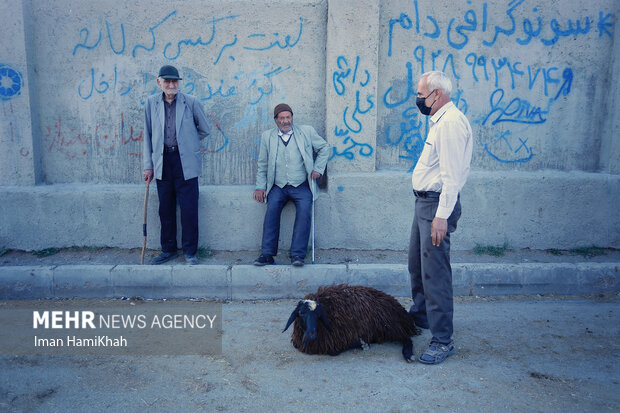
(364, 345)
(408, 350)
(359, 344)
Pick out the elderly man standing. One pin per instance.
(286, 171)
(438, 177)
(174, 125)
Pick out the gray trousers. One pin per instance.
(430, 271)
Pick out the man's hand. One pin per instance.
(315, 175)
(439, 229)
(148, 175)
(259, 195)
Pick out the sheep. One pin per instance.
(350, 316)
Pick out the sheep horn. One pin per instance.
(292, 318)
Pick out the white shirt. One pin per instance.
(285, 136)
(445, 160)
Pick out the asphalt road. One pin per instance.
(513, 354)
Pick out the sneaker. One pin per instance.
(264, 260)
(191, 260)
(297, 261)
(164, 257)
(437, 353)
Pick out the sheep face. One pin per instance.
(309, 313)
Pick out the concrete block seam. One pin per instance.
(229, 283)
(82, 284)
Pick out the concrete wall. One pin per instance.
(20, 156)
(539, 82)
(359, 211)
(98, 63)
(534, 78)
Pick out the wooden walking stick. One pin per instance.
(146, 202)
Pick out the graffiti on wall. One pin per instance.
(72, 143)
(11, 84)
(217, 26)
(522, 94)
(485, 47)
(350, 81)
(257, 83)
(244, 86)
(525, 25)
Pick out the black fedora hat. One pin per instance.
(169, 72)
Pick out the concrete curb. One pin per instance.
(248, 282)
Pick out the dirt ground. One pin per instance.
(550, 354)
(119, 256)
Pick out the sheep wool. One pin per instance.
(355, 312)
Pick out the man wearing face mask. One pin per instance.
(286, 171)
(439, 175)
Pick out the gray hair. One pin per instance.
(438, 80)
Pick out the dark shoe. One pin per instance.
(191, 260)
(297, 261)
(164, 257)
(437, 353)
(264, 260)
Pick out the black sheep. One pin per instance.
(351, 315)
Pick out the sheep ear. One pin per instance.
(292, 318)
(323, 317)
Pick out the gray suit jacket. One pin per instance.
(307, 141)
(192, 126)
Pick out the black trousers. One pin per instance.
(172, 188)
(430, 271)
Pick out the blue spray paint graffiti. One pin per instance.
(520, 29)
(198, 41)
(173, 50)
(276, 43)
(516, 110)
(153, 38)
(516, 157)
(503, 74)
(256, 84)
(11, 82)
(357, 78)
(412, 134)
(245, 84)
(218, 146)
(103, 85)
(519, 111)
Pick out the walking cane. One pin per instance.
(314, 186)
(146, 201)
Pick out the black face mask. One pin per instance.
(421, 104)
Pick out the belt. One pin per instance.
(426, 194)
(169, 149)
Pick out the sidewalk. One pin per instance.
(225, 275)
(542, 355)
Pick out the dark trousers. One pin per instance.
(276, 199)
(170, 189)
(430, 271)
